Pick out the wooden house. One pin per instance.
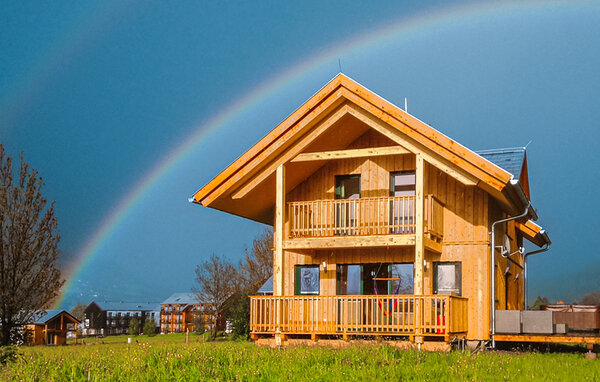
(51, 328)
(178, 313)
(105, 318)
(381, 223)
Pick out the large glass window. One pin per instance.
(347, 186)
(447, 278)
(375, 278)
(307, 279)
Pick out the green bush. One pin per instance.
(150, 327)
(134, 326)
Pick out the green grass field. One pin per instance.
(168, 358)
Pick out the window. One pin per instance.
(402, 210)
(307, 279)
(346, 187)
(447, 278)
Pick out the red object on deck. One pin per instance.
(441, 321)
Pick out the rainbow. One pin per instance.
(402, 29)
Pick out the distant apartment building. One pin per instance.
(180, 311)
(113, 318)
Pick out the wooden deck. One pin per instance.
(592, 338)
(401, 315)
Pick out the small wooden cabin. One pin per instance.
(51, 328)
(381, 223)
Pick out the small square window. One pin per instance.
(447, 278)
(307, 279)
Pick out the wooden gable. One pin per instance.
(326, 125)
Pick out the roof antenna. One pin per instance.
(340, 64)
(527, 145)
(405, 105)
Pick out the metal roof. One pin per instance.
(181, 298)
(267, 287)
(509, 159)
(128, 306)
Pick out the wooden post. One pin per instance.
(279, 231)
(187, 336)
(419, 209)
(419, 248)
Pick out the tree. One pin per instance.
(539, 301)
(134, 326)
(591, 299)
(218, 281)
(78, 311)
(29, 277)
(199, 323)
(150, 326)
(255, 269)
(257, 266)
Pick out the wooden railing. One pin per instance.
(363, 216)
(434, 217)
(429, 315)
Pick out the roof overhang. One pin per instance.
(534, 233)
(246, 187)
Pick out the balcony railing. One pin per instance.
(363, 216)
(390, 314)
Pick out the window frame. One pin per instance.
(458, 269)
(298, 284)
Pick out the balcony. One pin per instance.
(365, 217)
(401, 315)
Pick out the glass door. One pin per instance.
(347, 187)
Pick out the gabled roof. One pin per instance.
(509, 159)
(181, 299)
(49, 314)
(128, 306)
(247, 186)
(267, 287)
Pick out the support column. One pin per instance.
(279, 231)
(419, 247)
(419, 224)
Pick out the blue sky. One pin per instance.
(97, 94)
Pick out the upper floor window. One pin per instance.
(347, 186)
(402, 183)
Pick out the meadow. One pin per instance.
(169, 358)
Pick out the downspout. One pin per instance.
(493, 265)
(525, 255)
(522, 198)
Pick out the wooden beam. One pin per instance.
(288, 155)
(353, 153)
(433, 245)
(548, 339)
(391, 132)
(351, 241)
(419, 222)
(279, 231)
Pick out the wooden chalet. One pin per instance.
(178, 313)
(381, 223)
(51, 327)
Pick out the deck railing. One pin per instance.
(363, 216)
(429, 315)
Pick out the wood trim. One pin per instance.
(354, 153)
(265, 172)
(433, 245)
(351, 241)
(549, 338)
(279, 231)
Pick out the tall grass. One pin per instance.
(167, 358)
